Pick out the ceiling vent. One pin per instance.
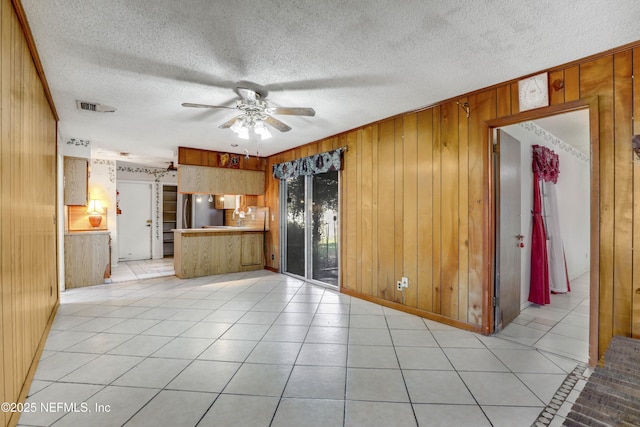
(92, 106)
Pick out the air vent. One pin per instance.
(92, 106)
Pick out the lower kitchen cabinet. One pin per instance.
(87, 258)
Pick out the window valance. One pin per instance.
(311, 165)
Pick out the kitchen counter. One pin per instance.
(217, 250)
(86, 232)
(207, 229)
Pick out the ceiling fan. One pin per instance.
(255, 113)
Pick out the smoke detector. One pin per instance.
(92, 106)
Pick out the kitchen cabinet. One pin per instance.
(217, 250)
(251, 250)
(208, 180)
(87, 258)
(76, 180)
(226, 201)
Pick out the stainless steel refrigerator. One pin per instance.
(198, 211)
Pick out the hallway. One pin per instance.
(263, 348)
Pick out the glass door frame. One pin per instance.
(308, 229)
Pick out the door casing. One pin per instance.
(489, 243)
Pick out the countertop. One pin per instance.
(80, 233)
(209, 229)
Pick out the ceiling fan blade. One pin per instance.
(277, 124)
(189, 104)
(230, 123)
(293, 111)
(248, 94)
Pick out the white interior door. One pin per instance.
(134, 223)
(508, 229)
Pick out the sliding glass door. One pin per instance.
(295, 226)
(311, 227)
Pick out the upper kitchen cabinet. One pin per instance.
(211, 180)
(226, 201)
(76, 177)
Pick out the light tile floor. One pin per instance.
(142, 269)
(264, 349)
(561, 327)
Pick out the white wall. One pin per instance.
(158, 177)
(573, 201)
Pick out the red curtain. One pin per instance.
(545, 167)
(539, 284)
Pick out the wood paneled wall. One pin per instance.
(199, 157)
(415, 195)
(28, 262)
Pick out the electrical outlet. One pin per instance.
(399, 286)
(405, 282)
(273, 257)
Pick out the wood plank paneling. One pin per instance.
(596, 79)
(515, 103)
(198, 157)
(398, 219)
(635, 303)
(367, 206)
(436, 278)
(572, 83)
(463, 223)
(386, 212)
(504, 100)
(28, 262)
(556, 87)
(425, 210)
(449, 211)
(623, 193)
(358, 218)
(6, 207)
(375, 206)
(410, 207)
(351, 203)
(484, 109)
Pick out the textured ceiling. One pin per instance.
(354, 62)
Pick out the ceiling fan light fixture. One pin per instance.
(243, 133)
(237, 126)
(260, 129)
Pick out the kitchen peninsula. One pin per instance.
(217, 250)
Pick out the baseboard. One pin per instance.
(411, 310)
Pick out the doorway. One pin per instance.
(310, 227)
(557, 325)
(134, 223)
